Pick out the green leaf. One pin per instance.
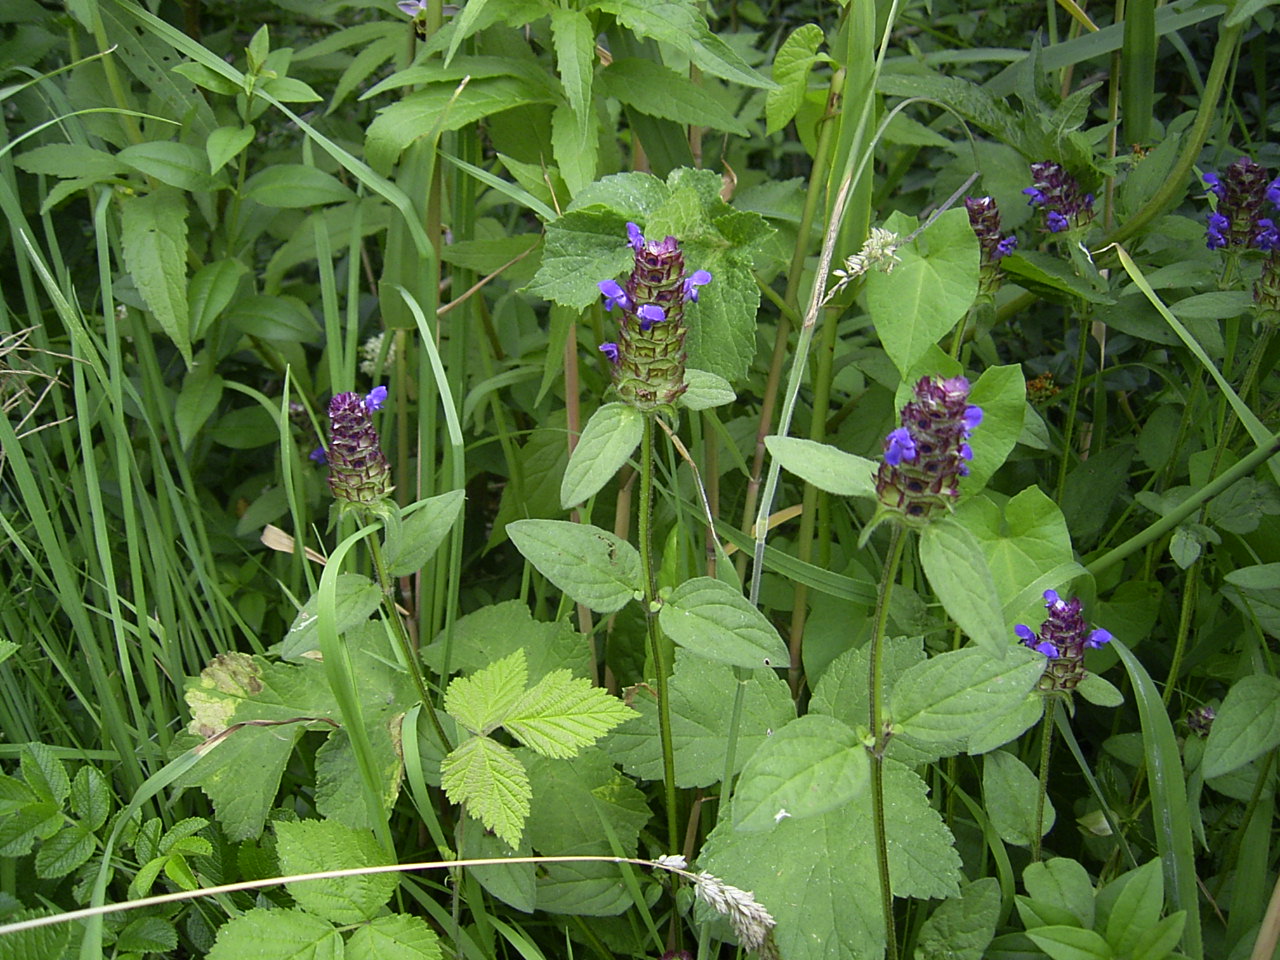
(714, 620)
(955, 693)
(1070, 943)
(571, 800)
(1051, 277)
(1158, 940)
(561, 714)
(91, 796)
(1004, 727)
(1099, 692)
(148, 935)
(1137, 908)
(357, 597)
(287, 319)
(312, 846)
(494, 631)
(704, 390)
(35, 821)
(70, 160)
(1010, 790)
(413, 542)
(44, 772)
(1062, 883)
(1002, 394)
(65, 851)
(1022, 543)
(1247, 725)
(397, 937)
(225, 144)
(929, 291)
(574, 41)
(211, 291)
(810, 766)
(791, 66)
(482, 701)
(594, 567)
(607, 442)
(956, 566)
(290, 90)
(820, 900)
(700, 693)
(961, 928)
(50, 941)
(277, 935)
(825, 466)
(923, 861)
(175, 164)
(654, 90)
(155, 253)
(491, 783)
(201, 392)
(292, 185)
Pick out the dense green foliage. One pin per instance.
(669, 617)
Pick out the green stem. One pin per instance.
(879, 740)
(1046, 747)
(402, 638)
(1082, 354)
(655, 638)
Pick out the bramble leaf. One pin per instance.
(491, 783)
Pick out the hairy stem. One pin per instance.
(1046, 747)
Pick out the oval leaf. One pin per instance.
(958, 693)
(296, 185)
(712, 619)
(416, 540)
(357, 597)
(1247, 726)
(957, 570)
(610, 437)
(597, 569)
(704, 389)
(810, 766)
(827, 468)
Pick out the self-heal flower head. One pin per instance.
(926, 456)
(1059, 195)
(647, 360)
(1242, 192)
(1267, 238)
(1216, 232)
(1062, 639)
(358, 470)
(1214, 184)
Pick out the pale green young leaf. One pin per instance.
(225, 143)
(561, 714)
(1010, 790)
(1247, 725)
(34, 821)
(704, 390)
(791, 66)
(714, 620)
(1070, 943)
(311, 846)
(928, 293)
(961, 928)
(1137, 909)
(654, 90)
(811, 765)
(1158, 940)
(957, 570)
(482, 701)
(357, 598)
(44, 772)
(154, 235)
(277, 935)
(955, 693)
(700, 723)
(825, 466)
(1063, 883)
(491, 783)
(607, 442)
(413, 542)
(593, 566)
(397, 937)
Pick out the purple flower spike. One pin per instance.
(1025, 633)
(1215, 235)
(614, 295)
(700, 278)
(1267, 238)
(1005, 247)
(899, 446)
(1056, 222)
(376, 398)
(1051, 599)
(1097, 639)
(318, 455)
(610, 350)
(650, 314)
(634, 237)
(1047, 648)
(1214, 184)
